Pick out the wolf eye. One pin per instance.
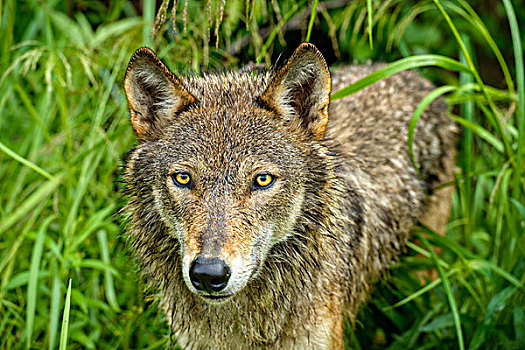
(263, 181)
(181, 179)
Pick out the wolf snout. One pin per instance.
(209, 274)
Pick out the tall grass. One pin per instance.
(65, 277)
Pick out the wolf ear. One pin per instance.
(300, 91)
(155, 95)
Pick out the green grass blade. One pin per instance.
(26, 100)
(418, 112)
(520, 79)
(467, 111)
(425, 253)
(108, 278)
(494, 116)
(277, 28)
(312, 19)
(468, 87)
(448, 290)
(159, 344)
(520, 207)
(370, 22)
(501, 272)
(476, 262)
(97, 265)
(32, 288)
(22, 279)
(54, 313)
(148, 10)
(496, 305)
(106, 31)
(466, 146)
(519, 323)
(8, 256)
(477, 22)
(65, 319)
(25, 207)
(88, 170)
(399, 66)
(422, 291)
(27, 163)
(481, 132)
(96, 221)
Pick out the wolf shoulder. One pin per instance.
(383, 110)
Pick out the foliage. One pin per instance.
(65, 131)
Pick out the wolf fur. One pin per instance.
(304, 252)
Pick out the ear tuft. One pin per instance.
(300, 90)
(155, 95)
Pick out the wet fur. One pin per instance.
(361, 198)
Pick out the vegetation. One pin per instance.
(65, 277)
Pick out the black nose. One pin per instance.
(210, 275)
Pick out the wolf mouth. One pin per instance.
(216, 299)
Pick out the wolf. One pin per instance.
(261, 211)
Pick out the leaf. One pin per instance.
(54, 313)
(22, 279)
(32, 288)
(496, 305)
(312, 19)
(369, 18)
(443, 321)
(448, 290)
(519, 324)
(417, 114)
(84, 302)
(108, 278)
(68, 28)
(27, 163)
(93, 223)
(493, 115)
(99, 265)
(27, 205)
(65, 319)
(105, 32)
(481, 132)
(476, 262)
(520, 207)
(277, 28)
(399, 66)
(520, 79)
(421, 291)
(473, 18)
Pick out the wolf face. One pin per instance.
(223, 163)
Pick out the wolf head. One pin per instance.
(226, 165)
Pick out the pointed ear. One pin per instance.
(300, 91)
(155, 95)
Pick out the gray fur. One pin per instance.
(340, 216)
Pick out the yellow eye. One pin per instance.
(263, 181)
(181, 179)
